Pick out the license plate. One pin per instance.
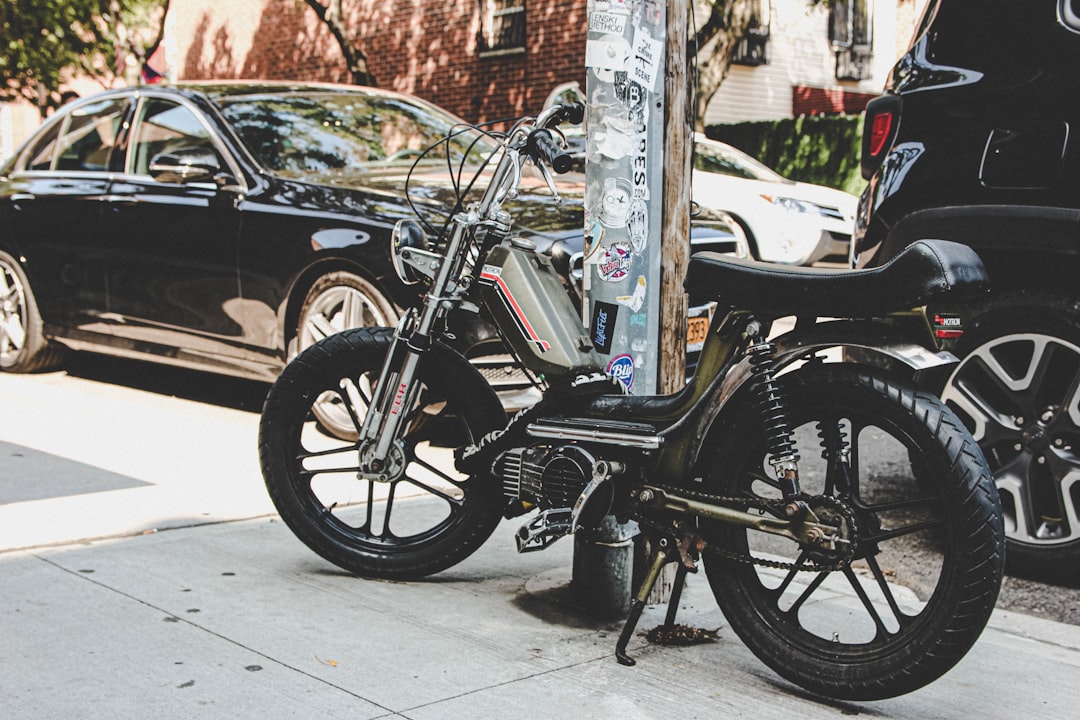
(697, 326)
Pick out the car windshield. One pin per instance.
(299, 134)
(722, 159)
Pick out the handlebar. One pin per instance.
(542, 145)
(573, 113)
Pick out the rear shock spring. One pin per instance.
(772, 405)
(836, 452)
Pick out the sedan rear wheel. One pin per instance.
(341, 301)
(23, 347)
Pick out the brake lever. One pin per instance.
(550, 180)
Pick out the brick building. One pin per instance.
(493, 59)
(482, 59)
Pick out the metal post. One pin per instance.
(627, 286)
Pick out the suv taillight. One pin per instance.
(879, 132)
(881, 120)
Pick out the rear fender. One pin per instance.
(897, 345)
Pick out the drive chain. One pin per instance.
(772, 506)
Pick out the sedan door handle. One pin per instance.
(16, 197)
(119, 199)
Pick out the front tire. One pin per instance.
(427, 518)
(857, 632)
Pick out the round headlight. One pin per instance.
(408, 235)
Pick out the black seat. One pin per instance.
(925, 271)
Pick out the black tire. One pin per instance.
(1017, 389)
(23, 347)
(356, 524)
(814, 628)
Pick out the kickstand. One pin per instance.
(659, 559)
(676, 595)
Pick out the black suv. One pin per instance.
(977, 139)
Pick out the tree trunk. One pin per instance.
(355, 59)
(725, 26)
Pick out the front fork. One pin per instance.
(396, 389)
(390, 401)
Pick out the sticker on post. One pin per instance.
(604, 317)
(637, 299)
(607, 23)
(621, 368)
(637, 224)
(615, 202)
(614, 264)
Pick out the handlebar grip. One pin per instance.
(541, 145)
(573, 113)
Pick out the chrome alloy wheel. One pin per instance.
(336, 302)
(342, 307)
(13, 315)
(1020, 395)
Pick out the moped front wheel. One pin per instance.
(422, 517)
(918, 499)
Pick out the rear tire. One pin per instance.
(854, 633)
(424, 520)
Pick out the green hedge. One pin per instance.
(820, 149)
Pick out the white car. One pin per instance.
(784, 221)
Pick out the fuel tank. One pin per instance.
(526, 297)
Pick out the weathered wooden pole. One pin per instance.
(637, 223)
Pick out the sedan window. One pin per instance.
(724, 160)
(89, 137)
(41, 155)
(295, 135)
(164, 126)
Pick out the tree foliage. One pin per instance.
(45, 43)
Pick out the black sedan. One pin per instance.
(220, 227)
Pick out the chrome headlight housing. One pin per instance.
(411, 252)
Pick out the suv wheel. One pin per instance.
(1018, 390)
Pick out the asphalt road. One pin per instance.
(171, 398)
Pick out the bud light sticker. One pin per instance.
(621, 368)
(614, 264)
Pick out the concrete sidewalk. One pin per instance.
(240, 620)
(202, 604)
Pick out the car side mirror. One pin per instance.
(185, 165)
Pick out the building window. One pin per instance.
(851, 36)
(751, 50)
(503, 25)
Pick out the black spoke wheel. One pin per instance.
(911, 479)
(426, 516)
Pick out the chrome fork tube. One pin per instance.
(396, 391)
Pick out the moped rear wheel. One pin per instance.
(919, 587)
(422, 519)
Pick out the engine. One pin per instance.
(571, 487)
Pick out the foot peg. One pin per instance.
(544, 529)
